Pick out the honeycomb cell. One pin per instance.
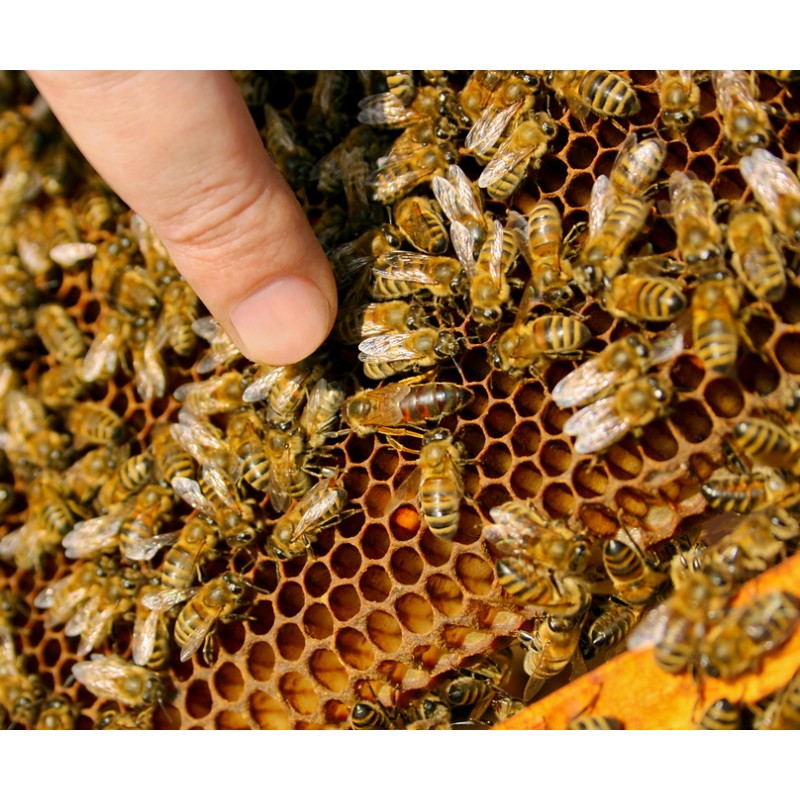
(472, 439)
(268, 713)
(435, 551)
(558, 500)
(554, 176)
(376, 499)
(502, 385)
(475, 573)
(525, 481)
(290, 641)
(789, 308)
(291, 599)
(658, 443)
(356, 481)
(444, 594)
(354, 649)
(556, 457)
(703, 166)
(384, 631)
(317, 579)
(406, 565)
(623, 460)
(344, 602)
(692, 421)
(336, 713)
(598, 519)
(298, 691)
(494, 494)
(294, 567)
(686, 373)
(231, 721)
(470, 526)
(526, 438)
(579, 190)
(581, 152)
(359, 448)
(632, 502)
(231, 637)
(375, 584)
(198, 699)
(51, 653)
(375, 539)
(759, 330)
(589, 480)
(384, 463)
(327, 670)
(787, 351)
(499, 419)
(724, 397)
(414, 613)
(475, 368)
(529, 398)
(228, 681)
(759, 376)
(345, 561)
(318, 621)
(553, 418)
(496, 460)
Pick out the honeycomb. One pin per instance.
(379, 607)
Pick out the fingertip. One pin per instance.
(282, 321)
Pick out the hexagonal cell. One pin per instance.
(346, 560)
(686, 373)
(474, 367)
(499, 419)
(589, 480)
(632, 502)
(344, 602)
(354, 649)
(470, 526)
(558, 500)
(299, 692)
(356, 480)
(384, 463)
(494, 494)
(502, 384)
(526, 438)
(228, 681)
(198, 699)
(623, 460)
(231, 721)
(406, 565)
(444, 594)
(375, 584)
(789, 308)
(787, 351)
(231, 636)
(476, 408)
(434, 550)
(384, 631)
(555, 457)
(318, 621)
(692, 420)
(359, 448)
(525, 481)
(414, 613)
(724, 397)
(317, 579)
(496, 460)
(581, 152)
(553, 418)
(599, 520)
(597, 319)
(290, 641)
(475, 573)
(579, 190)
(336, 713)
(529, 398)
(375, 540)
(291, 599)
(760, 376)
(658, 442)
(376, 500)
(327, 670)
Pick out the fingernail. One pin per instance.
(283, 321)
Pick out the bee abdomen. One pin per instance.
(609, 94)
(441, 513)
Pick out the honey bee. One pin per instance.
(221, 350)
(93, 423)
(292, 159)
(21, 694)
(321, 412)
(135, 293)
(721, 715)
(559, 595)
(374, 319)
(460, 201)
(325, 115)
(636, 166)
(768, 443)
(137, 535)
(619, 363)
(679, 97)
(103, 355)
(746, 493)
(284, 388)
(62, 598)
(113, 678)
(296, 530)
(526, 147)
(111, 719)
(635, 580)
(195, 544)
(218, 394)
(96, 209)
(549, 650)
(401, 84)
(489, 289)
(397, 175)
(180, 310)
(745, 124)
(612, 227)
(539, 239)
(594, 722)
(604, 93)
(390, 354)
(777, 190)
(477, 91)
(692, 204)
(129, 477)
(170, 460)
(216, 601)
(420, 221)
(355, 171)
(70, 254)
(387, 110)
(399, 273)
(610, 627)
(606, 421)
(783, 712)
(739, 642)
(57, 714)
(17, 289)
(369, 716)
(528, 344)
(59, 333)
(715, 330)
(757, 260)
(250, 461)
(287, 454)
(150, 643)
(640, 297)
(63, 385)
(149, 367)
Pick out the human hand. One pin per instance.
(181, 149)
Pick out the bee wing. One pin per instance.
(96, 629)
(190, 492)
(68, 254)
(102, 357)
(320, 500)
(650, 629)
(396, 181)
(262, 384)
(144, 549)
(93, 536)
(407, 491)
(504, 160)
(389, 347)
(80, 619)
(446, 196)
(487, 128)
(463, 244)
(385, 110)
(207, 327)
(145, 628)
(149, 371)
(13, 541)
(198, 635)
(222, 485)
(102, 675)
(600, 202)
(202, 441)
(402, 265)
(167, 598)
(668, 346)
(596, 426)
(768, 177)
(583, 383)
(495, 244)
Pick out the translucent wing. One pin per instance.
(166, 599)
(68, 254)
(402, 265)
(596, 426)
(102, 357)
(145, 548)
(190, 492)
(768, 177)
(261, 385)
(583, 383)
(145, 628)
(391, 347)
(385, 110)
(202, 440)
(600, 202)
(487, 128)
(93, 536)
(463, 244)
(504, 160)
(198, 635)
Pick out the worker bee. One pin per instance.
(396, 175)
(746, 493)
(715, 328)
(137, 535)
(63, 385)
(70, 254)
(170, 460)
(17, 288)
(249, 459)
(783, 711)
(218, 394)
(777, 190)
(549, 650)
(221, 350)
(390, 354)
(700, 241)
(745, 124)
(619, 363)
(195, 544)
(59, 333)
(216, 601)
(634, 578)
(526, 146)
(369, 716)
(420, 221)
(93, 423)
(738, 643)
(103, 355)
(287, 454)
(150, 643)
(296, 530)
(96, 208)
(113, 678)
(559, 595)
(111, 719)
(57, 714)
(606, 421)
(527, 345)
(356, 323)
(721, 715)
(613, 225)
(321, 412)
(179, 311)
(477, 91)
(292, 159)
(460, 201)
(21, 694)
(399, 273)
(395, 406)
(149, 369)
(604, 93)
(679, 97)
(610, 627)
(767, 443)
(636, 166)
(62, 598)
(757, 260)
(594, 722)
(640, 297)
(284, 388)
(128, 478)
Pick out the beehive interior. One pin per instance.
(381, 607)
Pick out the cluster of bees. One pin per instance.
(241, 464)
